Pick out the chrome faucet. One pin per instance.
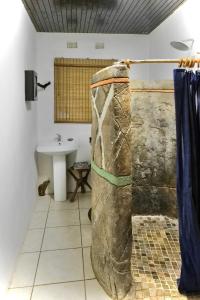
(58, 137)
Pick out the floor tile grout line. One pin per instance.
(50, 283)
(44, 229)
(70, 281)
(32, 229)
(64, 209)
(25, 238)
(20, 287)
(40, 252)
(82, 250)
(61, 209)
(58, 249)
(60, 226)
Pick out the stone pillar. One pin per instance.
(111, 180)
(153, 147)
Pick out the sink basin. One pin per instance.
(59, 151)
(55, 148)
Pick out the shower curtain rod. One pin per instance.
(186, 62)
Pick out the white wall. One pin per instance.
(17, 134)
(183, 24)
(51, 45)
(18, 174)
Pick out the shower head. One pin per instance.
(184, 45)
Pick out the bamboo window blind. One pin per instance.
(72, 79)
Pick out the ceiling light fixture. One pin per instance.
(184, 45)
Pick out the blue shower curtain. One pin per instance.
(187, 106)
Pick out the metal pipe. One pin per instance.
(185, 62)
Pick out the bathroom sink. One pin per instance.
(55, 148)
(59, 151)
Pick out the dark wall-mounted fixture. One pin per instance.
(44, 85)
(30, 85)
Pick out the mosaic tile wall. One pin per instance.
(155, 262)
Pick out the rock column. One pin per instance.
(111, 180)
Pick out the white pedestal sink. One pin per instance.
(59, 150)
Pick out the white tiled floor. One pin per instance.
(33, 240)
(89, 274)
(62, 238)
(84, 216)
(55, 259)
(86, 235)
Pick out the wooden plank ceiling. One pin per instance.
(99, 16)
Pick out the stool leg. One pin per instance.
(82, 188)
(77, 185)
(81, 184)
(73, 175)
(81, 181)
(74, 193)
(85, 178)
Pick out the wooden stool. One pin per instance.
(81, 179)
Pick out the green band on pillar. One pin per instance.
(116, 180)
